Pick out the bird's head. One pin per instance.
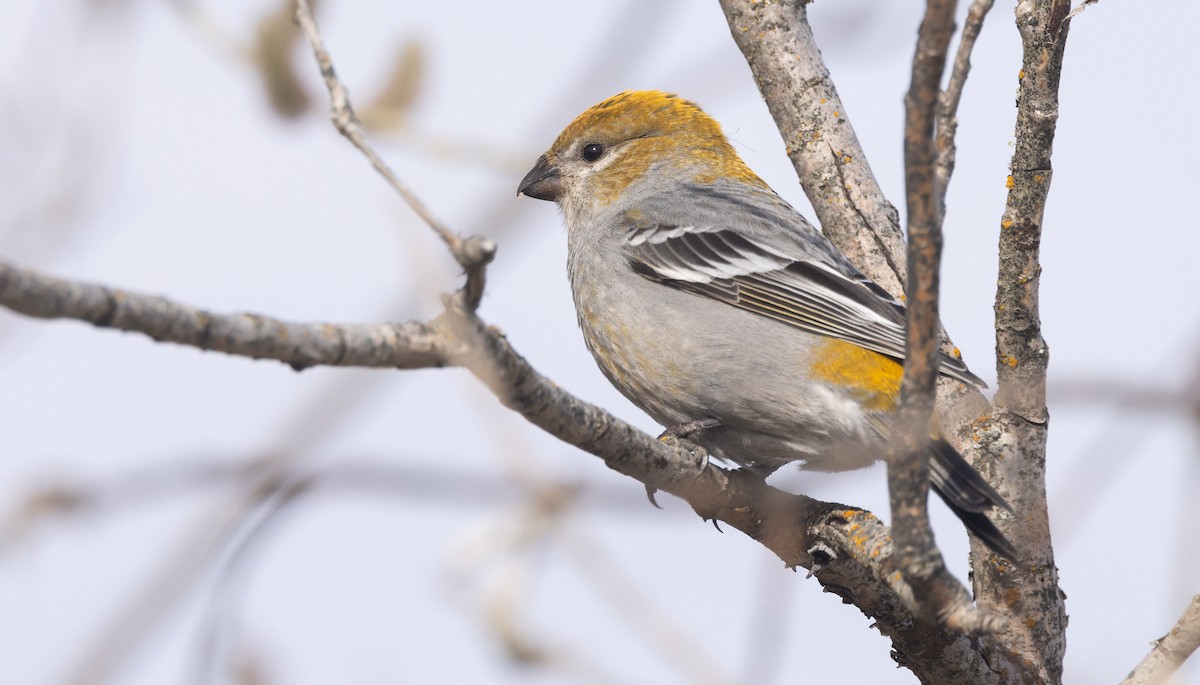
(633, 142)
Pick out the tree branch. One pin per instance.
(852, 211)
(1170, 651)
(908, 474)
(401, 346)
(908, 465)
(947, 121)
(1016, 431)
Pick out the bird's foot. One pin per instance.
(683, 430)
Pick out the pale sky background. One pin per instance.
(136, 151)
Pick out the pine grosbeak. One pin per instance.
(714, 306)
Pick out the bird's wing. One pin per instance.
(771, 280)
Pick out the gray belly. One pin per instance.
(682, 357)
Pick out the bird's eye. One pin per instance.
(592, 152)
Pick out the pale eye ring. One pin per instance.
(592, 151)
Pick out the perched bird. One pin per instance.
(714, 306)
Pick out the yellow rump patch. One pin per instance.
(871, 378)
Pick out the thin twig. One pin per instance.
(1170, 651)
(1079, 9)
(947, 121)
(219, 623)
(346, 121)
(1128, 395)
(158, 595)
(649, 624)
(472, 253)
(360, 476)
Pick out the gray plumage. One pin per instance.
(703, 295)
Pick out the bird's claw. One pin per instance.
(683, 430)
(650, 496)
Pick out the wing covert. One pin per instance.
(731, 267)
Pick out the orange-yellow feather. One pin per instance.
(655, 126)
(871, 378)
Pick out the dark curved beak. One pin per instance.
(543, 181)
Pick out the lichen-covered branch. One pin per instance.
(1016, 430)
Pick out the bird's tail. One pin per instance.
(968, 495)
